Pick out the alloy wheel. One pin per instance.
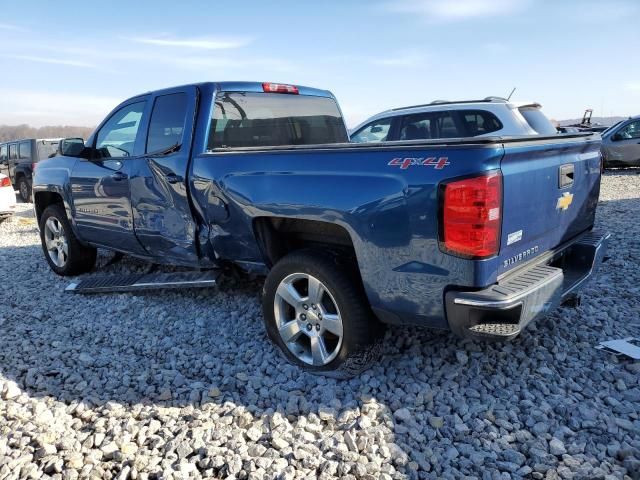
(308, 319)
(56, 242)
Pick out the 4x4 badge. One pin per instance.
(404, 163)
(564, 201)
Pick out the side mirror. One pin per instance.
(616, 137)
(71, 147)
(376, 129)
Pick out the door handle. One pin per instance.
(173, 178)
(565, 175)
(118, 176)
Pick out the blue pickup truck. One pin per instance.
(479, 236)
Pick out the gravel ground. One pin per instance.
(186, 384)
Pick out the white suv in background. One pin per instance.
(7, 197)
(493, 116)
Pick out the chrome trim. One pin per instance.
(516, 300)
(491, 303)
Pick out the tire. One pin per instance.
(25, 189)
(64, 253)
(343, 307)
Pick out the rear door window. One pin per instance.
(377, 131)
(167, 123)
(24, 151)
(429, 126)
(246, 119)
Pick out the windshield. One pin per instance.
(242, 119)
(610, 129)
(536, 120)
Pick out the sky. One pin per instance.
(71, 62)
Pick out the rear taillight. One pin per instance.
(279, 88)
(471, 216)
(33, 167)
(5, 182)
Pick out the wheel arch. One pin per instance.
(17, 175)
(278, 236)
(41, 200)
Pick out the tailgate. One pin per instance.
(550, 194)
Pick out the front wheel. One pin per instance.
(316, 312)
(64, 253)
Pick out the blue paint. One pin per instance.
(390, 213)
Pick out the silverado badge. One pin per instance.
(564, 201)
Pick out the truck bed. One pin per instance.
(388, 202)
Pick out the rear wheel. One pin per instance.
(316, 311)
(64, 253)
(25, 189)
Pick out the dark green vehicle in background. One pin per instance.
(18, 157)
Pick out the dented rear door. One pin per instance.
(163, 220)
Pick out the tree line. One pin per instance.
(17, 132)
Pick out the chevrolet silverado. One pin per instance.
(479, 236)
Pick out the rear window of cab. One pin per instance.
(432, 125)
(247, 119)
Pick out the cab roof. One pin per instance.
(239, 86)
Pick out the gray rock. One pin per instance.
(254, 434)
(402, 414)
(279, 443)
(513, 456)
(508, 466)
(326, 413)
(11, 391)
(109, 450)
(350, 441)
(556, 447)
(462, 357)
(436, 422)
(186, 385)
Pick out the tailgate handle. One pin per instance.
(565, 178)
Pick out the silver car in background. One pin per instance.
(493, 116)
(621, 144)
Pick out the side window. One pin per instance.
(117, 137)
(13, 152)
(167, 123)
(447, 126)
(377, 131)
(24, 151)
(631, 131)
(428, 126)
(418, 127)
(3, 154)
(479, 122)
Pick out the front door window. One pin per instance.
(117, 137)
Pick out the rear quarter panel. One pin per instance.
(390, 212)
